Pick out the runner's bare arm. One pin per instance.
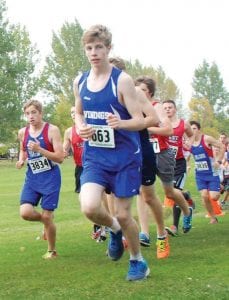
(55, 139)
(127, 93)
(151, 117)
(210, 141)
(188, 129)
(165, 128)
(67, 141)
(85, 131)
(22, 152)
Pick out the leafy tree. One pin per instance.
(208, 84)
(25, 57)
(65, 62)
(201, 111)
(165, 88)
(223, 124)
(136, 69)
(6, 85)
(62, 117)
(17, 79)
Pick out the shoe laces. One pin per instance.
(161, 245)
(133, 265)
(187, 219)
(113, 239)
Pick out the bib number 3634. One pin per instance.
(103, 137)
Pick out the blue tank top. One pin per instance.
(112, 149)
(203, 157)
(44, 173)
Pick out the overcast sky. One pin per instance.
(175, 34)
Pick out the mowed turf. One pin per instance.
(198, 267)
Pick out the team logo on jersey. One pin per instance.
(86, 98)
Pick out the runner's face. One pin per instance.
(169, 109)
(33, 116)
(222, 138)
(96, 52)
(195, 130)
(145, 89)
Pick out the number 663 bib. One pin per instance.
(103, 137)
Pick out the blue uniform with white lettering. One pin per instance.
(113, 157)
(206, 176)
(43, 179)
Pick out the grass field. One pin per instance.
(198, 267)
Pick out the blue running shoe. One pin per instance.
(144, 239)
(187, 222)
(115, 246)
(138, 270)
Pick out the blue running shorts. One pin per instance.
(210, 183)
(123, 184)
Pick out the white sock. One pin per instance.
(103, 232)
(136, 257)
(115, 227)
(161, 237)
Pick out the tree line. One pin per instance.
(23, 77)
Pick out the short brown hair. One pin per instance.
(37, 104)
(195, 123)
(149, 82)
(170, 101)
(99, 32)
(118, 62)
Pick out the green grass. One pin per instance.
(197, 268)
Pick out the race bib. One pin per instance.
(103, 137)
(201, 166)
(39, 164)
(226, 171)
(156, 145)
(174, 150)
